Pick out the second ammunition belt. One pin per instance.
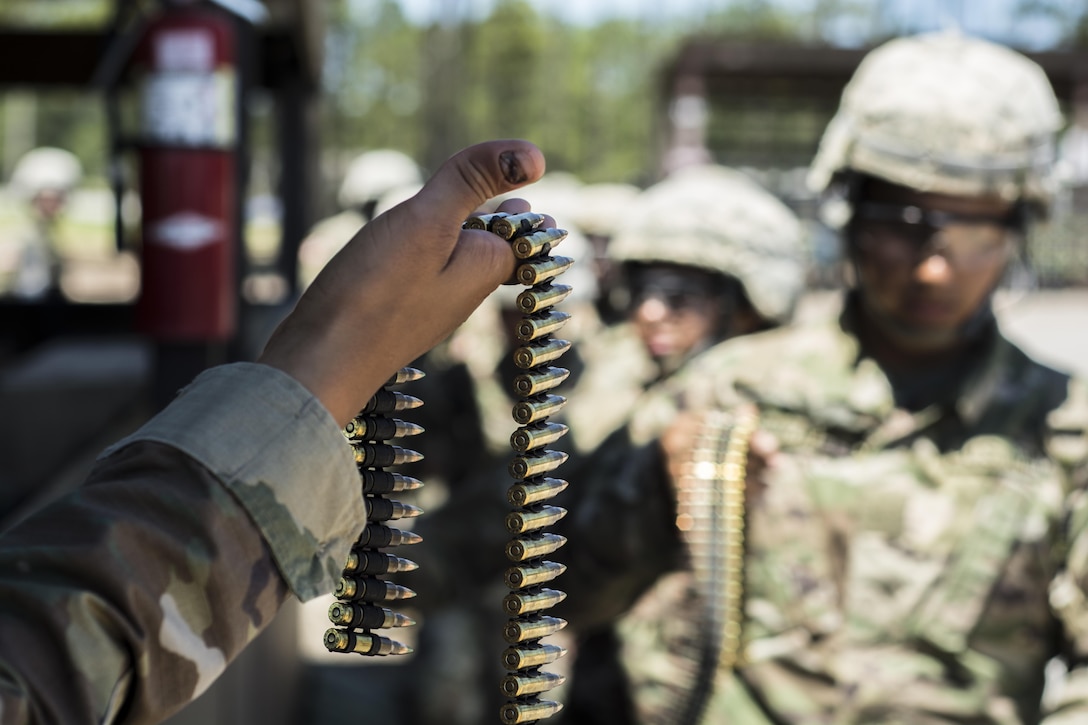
(356, 614)
(530, 572)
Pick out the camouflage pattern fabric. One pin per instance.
(125, 600)
(948, 113)
(902, 567)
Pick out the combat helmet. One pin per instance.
(947, 113)
(372, 174)
(46, 169)
(718, 219)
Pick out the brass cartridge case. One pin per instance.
(533, 382)
(508, 226)
(378, 428)
(387, 482)
(368, 589)
(531, 546)
(535, 627)
(367, 561)
(526, 493)
(530, 683)
(534, 464)
(341, 640)
(540, 324)
(384, 509)
(537, 243)
(535, 436)
(514, 713)
(366, 616)
(378, 536)
(482, 221)
(539, 271)
(531, 519)
(528, 601)
(538, 298)
(520, 657)
(380, 455)
(519, 577)
(540, 352)
(537, 408)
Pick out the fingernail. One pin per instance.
(511, 168)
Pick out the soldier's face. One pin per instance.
(928, 262)
(676, 311)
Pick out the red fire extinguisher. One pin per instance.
(186, 65)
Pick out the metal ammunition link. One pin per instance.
(354, 614)
(532, 245)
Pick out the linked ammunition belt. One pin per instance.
(710, 518)
(530, 573)
(361, 592)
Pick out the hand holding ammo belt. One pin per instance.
(362, 592)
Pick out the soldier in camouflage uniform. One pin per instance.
(707, 255)
(125, 600)
(916, 551)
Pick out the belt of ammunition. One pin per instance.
(536, 463)
(541, 297)
(528, 628)
(539, 352)
(536, 435)
(384, 509)
(385, 482)
(540, 324)
(533, 545)
(539, 271)
(370, 589)
(537, 407)
(508, 226)
(532, 518)
(359, 584)
(378, 428)
(525, 493)
(379, 536)
(519, 577)
(523, 656)
(527, 601)
(537, 243)
(367, 561)
(366, 616)
(533, 460)
(534, 382)
(522, 684)
(513, 713)
(338, 640)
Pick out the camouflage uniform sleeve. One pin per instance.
(126, 599)
(1067, 700)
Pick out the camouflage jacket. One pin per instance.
(124, 601)
(900, 567)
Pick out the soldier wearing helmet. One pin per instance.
(702, 256)
(915, 514)
(43, 179)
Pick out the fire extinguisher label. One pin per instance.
(186, 231)
(190, 109)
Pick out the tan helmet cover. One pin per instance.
(946, 113)
(718, 219)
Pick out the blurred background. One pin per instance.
(100, 322)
